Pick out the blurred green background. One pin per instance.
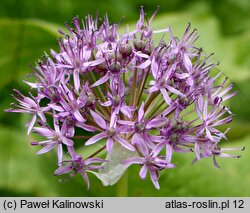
(28, 28)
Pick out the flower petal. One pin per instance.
(133, 160)
(197, 151)
(59, 154)
(43, 131)
(98, 119)
(141, 112)
(169, 153)
(47, 148)
(155, 123)
(166, 96)
(67, 141)
(109, 144)
(101, 80)
(76, 79)
(96, 138)
(63, 170)
(173, 90)
(143, 172)
(124, 143)
(31, 124)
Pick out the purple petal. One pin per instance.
(64, 128)
(124, 129)
(63, 170)
(224, 155)
(143, 149)
(41, 115)
(143, 172)
(182, 75)
(200, 103)
(154, 68)
(113, 120)
(155, 138)
(72, 153)
(166, 96)
(56, 126)
(148, 140)
(154, 123)
(127, 111)
(232, 148)
(133, 160)
(158, 148)
(197, 151)
(124, 143)
(78, 116)
(154, 180)
(101, 80)
(93, 63)
(208, 134)
(59, 153)
(67, 141)
(153, 89)
(130, 123)
(96, 138)
(144, 64)
(99, 120)
(187, 62)
(86, 127)
(47, 148)
(94, 167)
(43, 131)
(76, 79)
(136, 139)
(33, 85)
(55, 107)
(31, 124)
(85, 177)
(106, 103)
(215, 162)
(161, 31)
(142, 55)
(109, 144)
(169, 153)
(173, 90)
(141, 112)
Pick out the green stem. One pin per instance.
(97, 152)
(122, 186)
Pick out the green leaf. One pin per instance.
(24, 43)
(113, 170)
(21, 169)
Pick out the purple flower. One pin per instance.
(206, 149)
(175, 136)
(110, 131)
(117, 100)
(29, 106)
(149, 164)
(78, 165)
(211, 119)
(142, 127)
(56, 137)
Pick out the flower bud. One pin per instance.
(110, 131)
(139, 45)
(125, 50)
(115, 67)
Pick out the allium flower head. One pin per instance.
(151, 99)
